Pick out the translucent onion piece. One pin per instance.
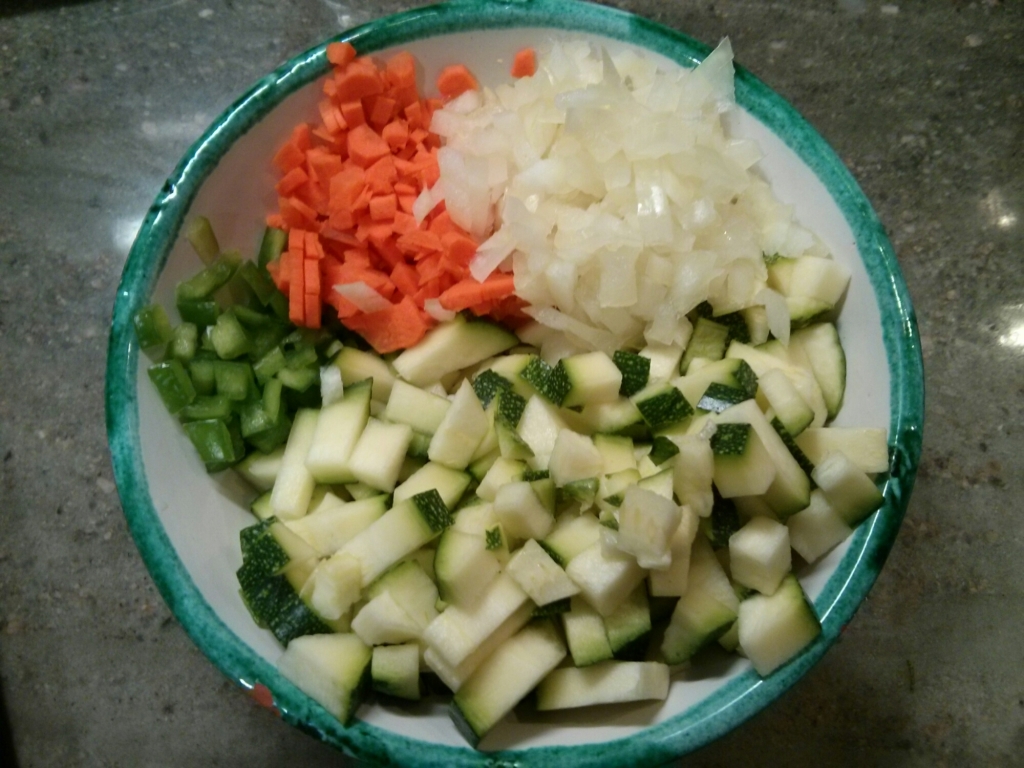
(363, 296)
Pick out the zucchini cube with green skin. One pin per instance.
(584, 492)
(779, 394)
(334, 586)
(450, 483)
(572, 534)
(759, 555)
(539, 575)
(664, 360)
(395, 671)
(635, 370)
(401, 530)
(338, 429)
(662, 405)
(610, 682)
(866, 447)
(463, 566)
(815, 531)
(502, 471)
(505, 678)
(617, 453)
(574, 457)
(539, 428)
(383, 621)
(629, 626)
(459, 630)
(705, 610)
(717, 397)
(411, 583)
(334, 670)
(821, 347)
(454, 676)
(593, 378)
(585, 633)
(822, 279)
(693, 474)
(550, 382)
(356, 365)
(743, 466)
(774, 629)
(487, 384)
(526, 509)
(617, 417)
(332, 526)
(464, 426)
(850, 492)
(452, 346)
(708, 341)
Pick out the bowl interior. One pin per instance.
(187, 522)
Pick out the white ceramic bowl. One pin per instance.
(186, 523)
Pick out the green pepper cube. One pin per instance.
(152, 328)
(299, 379)
(202, 312)
(270, 439)
(233, 380)
(204, 377)
(272, 246)
(229, 337)
(259, 280)
(200, 234)
(173, 384)
(184, 342)
(204, 282)
(267, 366)
(207, 407)
(272, 399)
(214, 442)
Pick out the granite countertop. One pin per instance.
(923, 100)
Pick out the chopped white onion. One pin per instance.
(433, 308)
(363, 296)
(331, 386)
(778, 313)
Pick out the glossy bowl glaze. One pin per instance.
(186, 523)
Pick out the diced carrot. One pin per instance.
(313, 250)
(340, 54)
(291, 181)
(297, 243)
(401, 70)
(404, 223)
(330, 89)
(441, 224)
(405, 278)
(419, 242)
(381, 111)
(524, 63)
(465, 294)
(301, 136)
(397, 327)
(383, 208)
(325, 164)
(357, 82)
(303, 209)
(458, 247)
(288, 156)
(312, 310)
(365, 146)
(396, 134)
(352, 113)
(327, 114)
(275, 221)
(381, 176)
(414, 115)
(455, 80)
(297, 294)
(310, 276)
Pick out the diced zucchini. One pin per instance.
(708, 341)
(331, 527)
(820, 279)
(423, 411)
(539, 575)
(866, 447)
(383, 621)
(635, 370)
(660, 483)
(672, 581)
(260, 506)
(617, 453)
(823, 350)
(592, 377)
(333, 670)
(662, 405)
(510, 367)
(772, 630)
(729, 372)
(761, 361)
(356, 365)
(572, 534)
(411, 585)
(609, 682)
(504, 679)
(452, 346)
(743, 466)
(395, 670)
(461, 430)
(618, 417)
(450, 483)
(502, 471)
(585, 633)
(539, 428)
(378, 455)
(664, 361)
(260, 469)
(693, 473)
(850, 492)
(574, 457)
(647, 522)
(526, 509)
(464, 567)
(782, 397)
(815, 531)
(404, 528)
(458, 631)
(293, 487)
(629, 626)
(717, 397)
(759, 555)
(339, 427)
(605, 579)
(333, 587)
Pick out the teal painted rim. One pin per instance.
(730, 705)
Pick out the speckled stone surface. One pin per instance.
(923, 100)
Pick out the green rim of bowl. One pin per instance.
(722, 710)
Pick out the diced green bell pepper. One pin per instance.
(173, 384)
